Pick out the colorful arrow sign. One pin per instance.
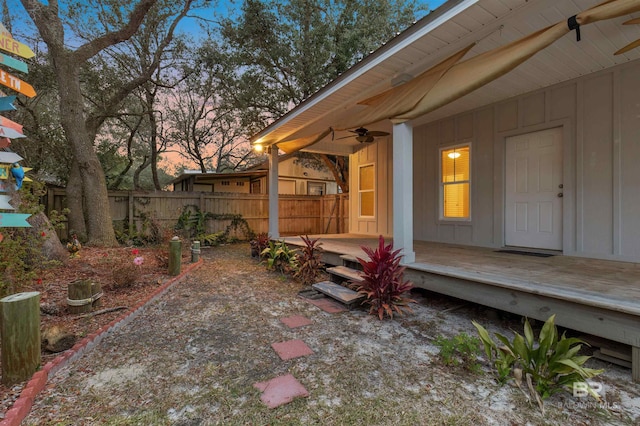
(9, 157)
(7, 132)
(5, 172)
(16, 84)
(14, 63)
(14, 220)
(6, 103)
(4, 121)
(15, 47)
(4, 31)
(4, 203)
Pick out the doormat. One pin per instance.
(526, 253)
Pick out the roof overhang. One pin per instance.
(488, 25)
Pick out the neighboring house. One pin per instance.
(514, 137)
(295, 178)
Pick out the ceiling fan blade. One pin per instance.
(365, 139)
(377, 133)
(346, 137)
(628, 47)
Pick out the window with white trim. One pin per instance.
(366, 190)
(455, 182)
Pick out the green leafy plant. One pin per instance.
(280, 257)
(383, 281)
(22, 258)
(192, 222)
(549, 365)
(309, 261)
(259, 243)
(461, 349)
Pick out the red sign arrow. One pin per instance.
(4, 121)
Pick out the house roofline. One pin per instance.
(420, 28)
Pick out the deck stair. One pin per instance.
(338, 292)
(351, 262)
(343, 274)
(341, 278)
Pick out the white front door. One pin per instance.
(533, 210)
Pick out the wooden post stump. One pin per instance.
(175, 256)
(83, 296)
(20, 315)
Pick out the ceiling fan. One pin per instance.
(363, 135)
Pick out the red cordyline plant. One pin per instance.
(309, 260)
(383, 283)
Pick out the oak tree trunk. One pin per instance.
(75, 204)
(94, 187)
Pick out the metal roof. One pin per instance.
(448, 29)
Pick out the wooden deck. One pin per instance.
(598, 297)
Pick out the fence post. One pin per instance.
(20, 316)
(175, 256)
(131, 213)
(195, 251)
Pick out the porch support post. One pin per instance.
(403, 191)
(274, 232)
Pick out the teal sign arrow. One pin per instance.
(13, 63)
(4, 202)
(6, 103)
(14, 220)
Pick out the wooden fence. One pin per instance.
(299, 214)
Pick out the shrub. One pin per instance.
(278, 256)
(192, 224)
(383, 283)
(22, 256)
(460, 350)
(127, 269)
(124, 276)
(259, 243)
(549, 364)
(309, 261)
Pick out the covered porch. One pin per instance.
(598, 297)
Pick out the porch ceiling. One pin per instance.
(450, 28)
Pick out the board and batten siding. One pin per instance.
(600, 119)
(379, 154)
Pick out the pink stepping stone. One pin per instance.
(328, 305)
(291, 349)
(296, 321)
(280, 390)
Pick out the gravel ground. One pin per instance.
(193, 356)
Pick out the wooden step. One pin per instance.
(351, 262)
(338, 292)
(340, 274)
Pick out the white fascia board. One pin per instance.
(370, 62)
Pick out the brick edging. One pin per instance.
(22, 406)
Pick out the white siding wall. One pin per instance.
(378, 153)
(600, 117)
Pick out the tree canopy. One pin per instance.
(122, 83)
